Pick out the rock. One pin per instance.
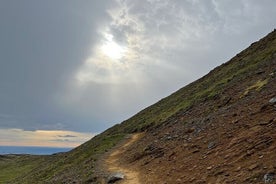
(196, 151)
(226, 156)
(238, 169)
(190, 130)
(259, 72)
(211, 145)
(262, 123)
(150, 148)
(249, 152)
(115, 177)
(272, 100)
(269, 177)
(209, 168)
(252, 167)
(185, 145)
(226, 174)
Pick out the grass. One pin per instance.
(257, 86)
(79, 164)
(13, 166)
(208, 87)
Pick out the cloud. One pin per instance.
(48, 138)
(38, 52)
(67, 136)
(167, 44)
(5, 116)
(60, 71)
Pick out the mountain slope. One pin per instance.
(226, 133)
(216, 129)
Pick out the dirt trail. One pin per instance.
(113, 163)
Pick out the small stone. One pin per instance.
(226, 156)
(238, 169)
(115, 177)
(190, 130)
(259, 72)
(271, 74)
(269, 177)
(252, 167)
(185, 145)
(211, 145)
(272, 100)
(209, 168)
(249, 152)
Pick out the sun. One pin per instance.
(112, 49)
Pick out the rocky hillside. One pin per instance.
(218, 129)
(223, 130)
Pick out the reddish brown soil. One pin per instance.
(230, 138)
(112, 162)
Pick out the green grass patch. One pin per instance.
(257, 86)
(12, 166)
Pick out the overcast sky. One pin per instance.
(82, 66)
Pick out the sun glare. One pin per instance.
(111, 49)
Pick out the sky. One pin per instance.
(71, 69)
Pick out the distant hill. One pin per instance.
(218, 129)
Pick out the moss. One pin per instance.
(256, 86)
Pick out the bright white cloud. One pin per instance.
(112, 49)
(152, 34)
(158, 46)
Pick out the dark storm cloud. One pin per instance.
(54, 73)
